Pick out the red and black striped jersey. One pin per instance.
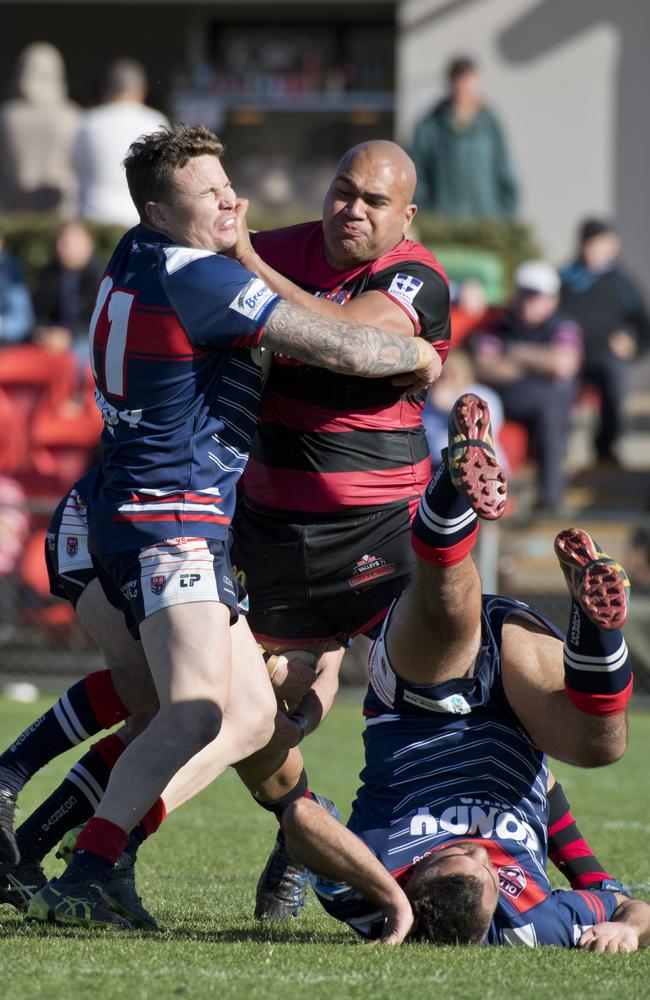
(328, 442)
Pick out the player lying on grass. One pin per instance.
(465, 690)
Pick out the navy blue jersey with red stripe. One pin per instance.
(450, 763)
(329, 442)
(170, 345)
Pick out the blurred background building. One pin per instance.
(552, 91)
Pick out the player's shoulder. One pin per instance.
(288, 237)
(409, 253)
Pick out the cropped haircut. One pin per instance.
(449, 910)
(153, 158)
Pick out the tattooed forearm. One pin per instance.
(343, 347)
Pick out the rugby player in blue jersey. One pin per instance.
(465, 691)
(170, 342)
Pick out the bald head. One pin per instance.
(369, 205)
(386, 156)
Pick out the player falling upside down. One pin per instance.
(447, 838)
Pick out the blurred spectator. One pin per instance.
(457, 377)
(470, 310)
(607, 304)
(462, 161)
(532, 357)
(37, 128)
(103, 140)
(16, 312)
(66, 291)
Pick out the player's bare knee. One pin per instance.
(192, 725)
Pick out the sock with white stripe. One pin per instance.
(597, 668)
(445, 526)
(82, 711)
(72, 803)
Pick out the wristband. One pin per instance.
(302, 722)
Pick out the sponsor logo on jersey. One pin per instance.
(158, 584)
(475, 818)
(368, 569)
(240, 576)
(404, 288)
(252, 299)
(130, 589)
(72, 545)
(455, 704)
(512, 880)
(51, 540)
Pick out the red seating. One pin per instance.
(513, 441)
(33, 572)
(51, 437)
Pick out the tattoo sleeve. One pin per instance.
(342, 347)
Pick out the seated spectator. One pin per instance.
(66, 291)
(103, 141)
(609, 308)
(532, 357)
(460, 153)
(16, 312)
(456, 378)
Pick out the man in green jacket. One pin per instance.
(459, 150)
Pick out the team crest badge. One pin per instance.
(512, 880)
(158, 584)
(72, 545)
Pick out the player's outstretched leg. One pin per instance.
(599, 584)
(471, 458)
(598, 672)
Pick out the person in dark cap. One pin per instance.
(459, 150)
(607, 304)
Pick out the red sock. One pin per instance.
(103, 838)
(103, 698)
(153, 818)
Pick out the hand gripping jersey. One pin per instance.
(330, 442)
(170, 346)
(450, 763)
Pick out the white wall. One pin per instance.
(570, 87)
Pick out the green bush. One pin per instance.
(512, 242)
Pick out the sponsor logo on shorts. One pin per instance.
(51, 540)
(130, 589)
(252, 299)
(512, 880)
(404, 288)
(368, 569)
(72, 545)
(158, 584)
(188, 579)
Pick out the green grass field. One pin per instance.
(198, 876)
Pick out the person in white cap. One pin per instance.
(532, 357)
